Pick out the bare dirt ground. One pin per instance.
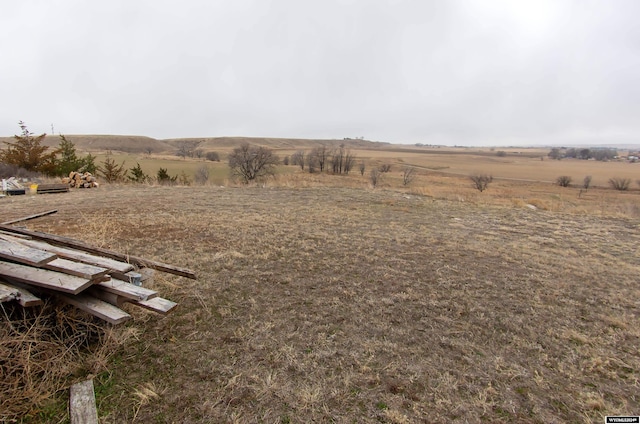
(348, 305)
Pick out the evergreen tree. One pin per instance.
(68, 161)
(28, 152)
(138, 175)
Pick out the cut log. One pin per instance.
(17, 252)
(44, 278)
(97, 307)
(77, 244)
(157, 304)
(26, 218)
(127, 290)
(82, 404)
(90, 272)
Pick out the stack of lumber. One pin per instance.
(95, 280)
(12, 186)
(80, 180)
(52, 188)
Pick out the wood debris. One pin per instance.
(12, 187)
(95, 280)
(80, 180)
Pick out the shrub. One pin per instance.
(501, 153)
(621, 184)
(138, 175)
(408, 174)
(163, 177)
(213, 156)
(385, 167)
(563, 181)
(375, 177)
(586, 183)
(202, 175)
(481, 181)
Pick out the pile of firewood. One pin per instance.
(80, 180)
(96, 280)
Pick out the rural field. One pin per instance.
(321, 299)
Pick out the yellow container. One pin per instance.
(33, 188)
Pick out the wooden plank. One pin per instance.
(130, 277)
(27, 255)
(157, 304)
(99, 308)
(82, 403)
(7, 293)
(44, 278)
(76, 255)
(77, 244)
(28, 299)
(128, 290)
(25, 297)
(111, 298)
(27, 218)
(90, 272)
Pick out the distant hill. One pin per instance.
(141, 144)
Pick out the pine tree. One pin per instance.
(138, 175)
(111, 171)
(68, 160)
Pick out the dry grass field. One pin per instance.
(322, 300)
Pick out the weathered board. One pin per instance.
(79, 256)
(157, 304)
(8, 293)
(97, 307)
(90, 272)
(17, 252)
(44, 278)
(127, 290)
(76, 244)
(82, 403)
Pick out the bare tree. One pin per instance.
(586, 183)
(563, 181)
(349, 161)
(298, 159)
(375, 177)
(342, 160)
(187, 148)
(481, 181)
(408, 175)
(202, 175)
(362, 168)
(321, 156)
(312, 162)
(249, 162)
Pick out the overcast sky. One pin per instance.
(467, 72)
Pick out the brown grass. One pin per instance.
(327, 301)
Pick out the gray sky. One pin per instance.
(467, 72)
